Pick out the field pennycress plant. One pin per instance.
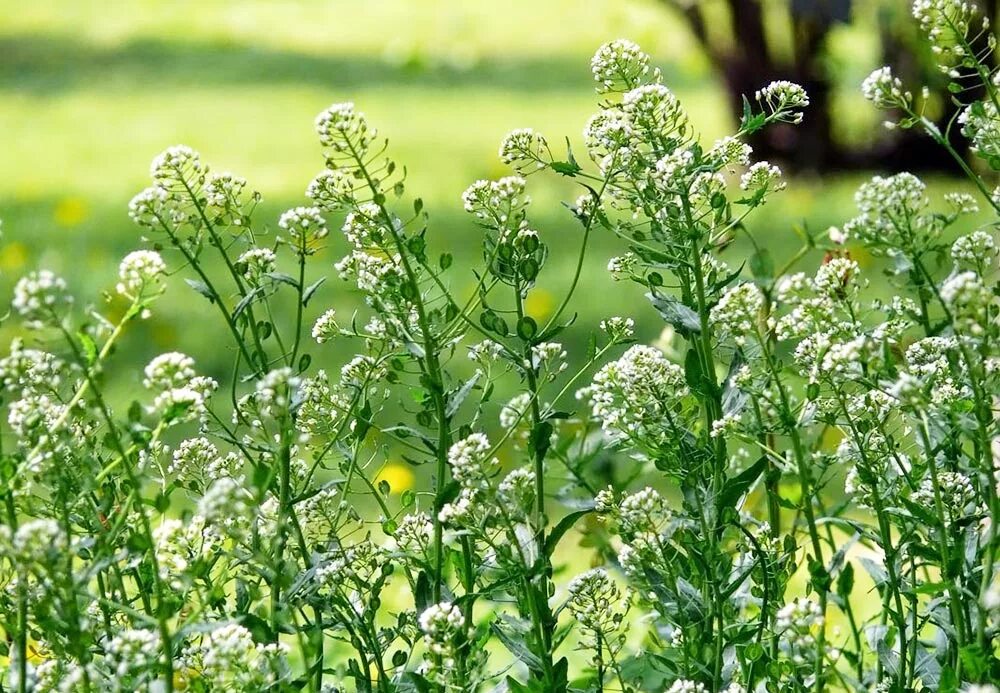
(795, 491)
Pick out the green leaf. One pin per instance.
(736, 487)
(694, 375)
(201, 288)
(527, 328)
(362, 420)
(762, 264)
(422, 595)
(540, 439)
(974, 661)
(284, 278)
(564, 525)
(948, 683)
(258, 627)
(88, 346)
(845, 581)
(566, 168)
(245, 302)
(734, 399)
(513, 634)
(135, 412)
(447, 495)
(456, 398)
(676, 314)
(311, 289)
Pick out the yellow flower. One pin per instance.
(539, 303)
(399, 477)
(13, 255)
(71, 211)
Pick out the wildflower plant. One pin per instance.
(235, 531)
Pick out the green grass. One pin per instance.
(91, 91)
(91, 95)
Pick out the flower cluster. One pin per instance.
(633, 397)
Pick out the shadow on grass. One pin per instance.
(46, 64)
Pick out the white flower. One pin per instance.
(178, 171)
(797, 623)
(223, 191)
(946, 24)
(414, 533)
(623, 266)
(524, 148)
(344, 129)
(885, 90)
(134, 653)
(170, 370)
(325, 328)
(643, 512)
(958, 496)
(39, 295)
(517, 492)
(471, 465)
(981, 124)
(500, 203)
(304, 225)
(630, 396)
(729, 152)
(228, 658)
(784, 100)
(657, 112)
(738, 311)
(139, 270)
(761, 178)
(36, 540)
(619, 329)
(549, 357)
(977, 249)
(147, 207)
(331, 190)
(619, 66)
(365, 229)
(594, 601)
(685, 686)
(486, 352)
(514, 412)
(226, 507)
(439, 623)
(257, 262)
(969, 300)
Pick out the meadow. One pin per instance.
(90, 96)
(793, 489)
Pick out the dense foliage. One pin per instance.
(243, 538)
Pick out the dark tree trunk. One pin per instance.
(813, 145)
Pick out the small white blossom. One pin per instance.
(39, 296)
(138, 271)
(619, 66)
(524, 148)
(325, 328)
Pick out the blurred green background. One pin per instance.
(91, 90)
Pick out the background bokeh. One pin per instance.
(91, 90)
